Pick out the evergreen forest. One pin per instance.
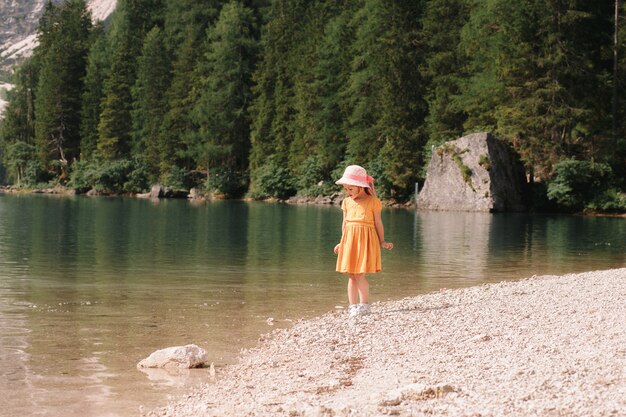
(273, 98)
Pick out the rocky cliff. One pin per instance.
(18, 25)
(477, 172)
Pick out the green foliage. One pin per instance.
(63, 35)
(576, 183)
(109, 176)
(98, 63)
(19, 158)
(115, 124)
(455, 154)
(466, 172)
(274, 107)
(226, 182)
(176, 178)
(83, 176)
(364, 83)
(149, 101)
(312, 179)
(278, 95)
(221, 110)
(402, 156)
(385, 116)
(273, 180)
(185, 26)
(329, 107)
(444, 68)
(483, 161)
(132, 20)
(18, 122)
(17, 129)
(609, 201)
(377, 169)
(35, 176)
(527, 81)
(181, 15)
(178, 137)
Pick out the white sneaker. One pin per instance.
(353, 310)
(363, 309)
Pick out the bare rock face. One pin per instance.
(183, 357)
(474, 173)
(19, 20)
(18, 26)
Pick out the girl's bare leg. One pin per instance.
(353, 289)
(363, 288)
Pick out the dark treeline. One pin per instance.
(276, 97)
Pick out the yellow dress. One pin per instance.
(359, 251)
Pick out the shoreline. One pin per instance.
(544, 346)
(321, 200)
(193, 195)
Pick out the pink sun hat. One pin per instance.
(355, 175)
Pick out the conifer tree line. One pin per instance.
(275, 97)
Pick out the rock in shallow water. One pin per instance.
(188, 356)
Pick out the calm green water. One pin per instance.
(88, 287)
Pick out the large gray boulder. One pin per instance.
(474, 173)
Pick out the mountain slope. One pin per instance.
(18, 26)
(18, 37)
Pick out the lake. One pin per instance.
(90, 286)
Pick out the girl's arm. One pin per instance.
(343, 231)
(380, 230)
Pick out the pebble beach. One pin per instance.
(542, 346)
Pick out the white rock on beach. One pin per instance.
(188, 356)
(544, 346)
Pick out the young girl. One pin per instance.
(362, 235)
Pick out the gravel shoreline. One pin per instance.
(543, 346)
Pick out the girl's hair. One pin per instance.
(368, 190)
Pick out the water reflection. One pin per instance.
(180, 378)
(454, 245)
(88, 287)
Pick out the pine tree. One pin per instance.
(551, 113)
(18, 119)
(64, 41)
(180, 15)
(444, 69)
(17, 127)
(543, 59)
(115, 125)
(274, 104)
(364, 84)
(331, 74)
(613, 148)
(186, 23)
(143, 16)
(386, 92)
(221, 112)
(311, 69)
(177, 130)
(482, 89)
(93, 91)
(403, 107)
(149, 98)
(132, 20)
